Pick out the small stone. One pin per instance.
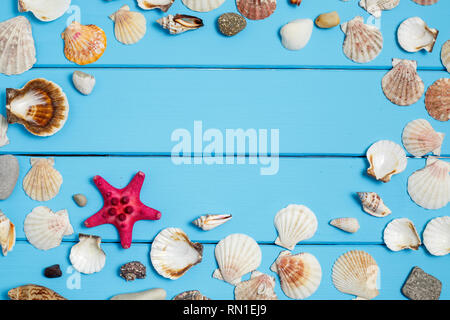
(422, 286)
(53, 271)
(231, 23)
(9, 173)
(80, 199)
(133, 270)
(83, 82)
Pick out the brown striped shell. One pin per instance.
(33, 292)
(256, 9)
(437, 100)
(425, 2)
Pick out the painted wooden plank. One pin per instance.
(137, 111)
(257, 46)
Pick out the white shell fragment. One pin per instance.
(350, 225)
(445, 55)
(413, 35)
(152, 294)
(42, 182)
(163, 5)
(294, 224)
(436, 236)
(386, 158)
(129, 26)
(373, 204)
(3, 130)
(401, 234)
(203, 5)
(87, 256)
(374, 7)
(211, 221)
(83, 82)
(44, 10)
(7, 234)
(295, 35)
(259, 287)
(419, 138)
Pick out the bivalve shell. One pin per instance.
(295, 35)
(374, 7)
(130, 26)
(386, 158)
(7, 234)
(436, 236)
(437, 100)
(163, 5)
(45, 10)
(419, 138)
(203, 5)
(3, 130)
(413, 35)
(445, 55)
(87, 256)
(211, 221)
(350, 225)
(256, 9)
(401, 234)
(260, 287)
(42, 182)
(373, 204)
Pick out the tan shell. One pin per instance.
(130, 26)
(7, 234)
(256, 9)
(419, 138)
(211, 221)
(425, 2)
(259, 287)
(350, 225)
(180, 23)
(373, 204)
(190, 295)
(33, 292)
(437, 100)
(163, 5)
(374, 7)
(445, 55)
(42, 182)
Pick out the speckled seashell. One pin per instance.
(419, 138)
(42, 182)
(256, 9)
(203, 5)
(425, 2)
(260, 287)
(83, 82)
(374, 7)
(413, 35)
(33, 292)
(401, 234)
(133, 270)
(350, 225)
(87, 256)
(373, 204)
(130, 26)
(180, 23)
(437, 100)
(386, 158)
(211, 221)
(436, 236)
(3, 130)
(152, 294)
(44, 10)
(190, 295)
(163, 5)
(7, 234)
(445, 55)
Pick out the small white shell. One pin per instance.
(445, 55)
(259, 287)
(419, 138)
(203, 5)
(45, 10)
(87, 256)
(373, 204)
(401, 234)
(211, 221)
(413, 35)
(350, 225)
(374, 7)
(7, 234)
(295, 35)
(436, 236)
(386, 158)
(130, 26)
(83, 82)
(294, 224)
(163, 5)
(3, 129)
(42, 182)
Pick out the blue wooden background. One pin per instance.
(328, 110)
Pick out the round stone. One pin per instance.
(80, 199)
(9, 173)
(231, 23)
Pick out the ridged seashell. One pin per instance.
(402, 85)
(42, 182)
(419, 138)
(190, 295)
(45, 229)
(152, 294)
(211, 221)
(259, 287)
(7, 234)
(328, 20)
(373, 204)
(294, 224)
(430, 187)
(350, 225)
(436, 236)
(203, 5)
(173, 254)
(386, 158)
(33, 292)
(236, 255)
(83, 82)
(41, 106)
(374, 7)
(300, 274)
(425, 2)
(363, 42)
(17, 50)
(87, 256)
(45, 10)
(84, 44)
(180, 23)
(3, 129)
(163, 5)
(413, 35)
(437, 100)
(445, 55)
(401, 234)
(295, 35)
(356, 272)
(130, 26)
(256, 9)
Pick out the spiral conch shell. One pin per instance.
(259, 287)
(436, 236)
(180, 23)
(33, 292)
(386, 158)
(45, 10)
(211, 221)
(373, 204)
(42, 182)
(413, 35)
(7, 234)
(374, 7)
(419, 138)
(350, 225)
(437, 100)
(130, 26)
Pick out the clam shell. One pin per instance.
(87, 256)
(7, 234)
(130, 26)
(211, 221)
(203, 5)
(374, 7)
(356, 272)
(45, 229)
(236, 255)
(256, 9)
(173, 254)
(44, 10)
(3, 129)
(295, 35)
(386, 158)
(419, 138)
(300, 274)
(294, 224)
(445, 55)
(373, 204)
(33, 292)
(363, 42)
(17, 50)
(425, 2)
(436, 236)
(259, 287)
(350, 225)
(42, 182)
(83, 82)
(413, 35)
(401, 234)
(180, 23)
(437, 100)
(163, 5)
(190, 295)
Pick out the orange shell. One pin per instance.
(256, 9)
(437, 100)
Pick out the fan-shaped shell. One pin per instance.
(41, 106)
(437, 100)
(180, 23)
(425, 2)
(419, 138)
(173, 254)
(3, 129)
(83, 44)
(7, 234)
(413, 35)
(236, 255)
(203, 5)
(300, 274)
(350, 225)
(44, 10)
(374, 7)
(211, 221)
(42, 182)
(356, 272)
(87, 255)
(402, 85)
(45, 229)
(191, 295)
(17, 50)
(294, 224)
(163, 5)
(445, 55)
(363, 42)
(130, 26)
(386, 158)
(256, 9)
(373, 204)
(436, 236)
(401, 234)
(259, 287)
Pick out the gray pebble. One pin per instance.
(9, 173)
(422, 286)
(80, 199)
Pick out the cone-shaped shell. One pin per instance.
(437, 100)
(17, 50)
(259, 287)
(211, 221)
(356, 273)
(42, 182)
(445, 55)
(436, 236)
(236, 255)
(190, 295)
(163, 5)
(44, 10)
(413, 35)
(425, 2)
(203, 5)
(386, 158)
(401, 234)
(87, 256)
(7, 234)
(180, 23)
(350, 225)
(419, 138)
(33, 292)
(300, 274)
(374, 7)
(130, 26)
(173, 254)
(3, 130)
(373, 204)
(256, 9)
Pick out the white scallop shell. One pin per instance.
(294, 224)
(87, 256)
(401, 234)
(374, 7)
(386, 158)
(129, 26)
(300, 274)
(295, 35)
(373, 204)
(350, 225)
(430, 187)
(259, 287)
(445, 55)
(42, 182)
(211, 221)
(236, 255)
(203, 5)
(3, 129)
(45, 229)
(44, 10)
(419, 138)
(7, 234)
(173, 254)
(163, 5)
(413, 35)
(83, 82)
(436, 236)
(356, 273)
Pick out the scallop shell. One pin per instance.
(87, 256)
(430, 187)
(42, 182)
(17, 50)
(300, 274)
(350, 225)
(7, 234)
(260, 287)
(401, 234)
(256, 9)
(203, 5)
(425, 2)
(163, 5)
(413, 35)
(236, 255)
(294, 224)
(180, 23)
(436, 236)
(386, 158)
(445, 55)
(45, 10)
(419, 138)
(363, 42)
(402, 85)
(3, 129)
(211, 221)
(41, 106)
(295, 35)
(437, 100)
(190, 295)
(356, 272)
(373, 204)
(374, 7)
(130, 26)
(45, 229)
(84, 44)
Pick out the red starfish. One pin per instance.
(122, 208)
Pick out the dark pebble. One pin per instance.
(422, 286)
(231, 23)
(53, 271)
